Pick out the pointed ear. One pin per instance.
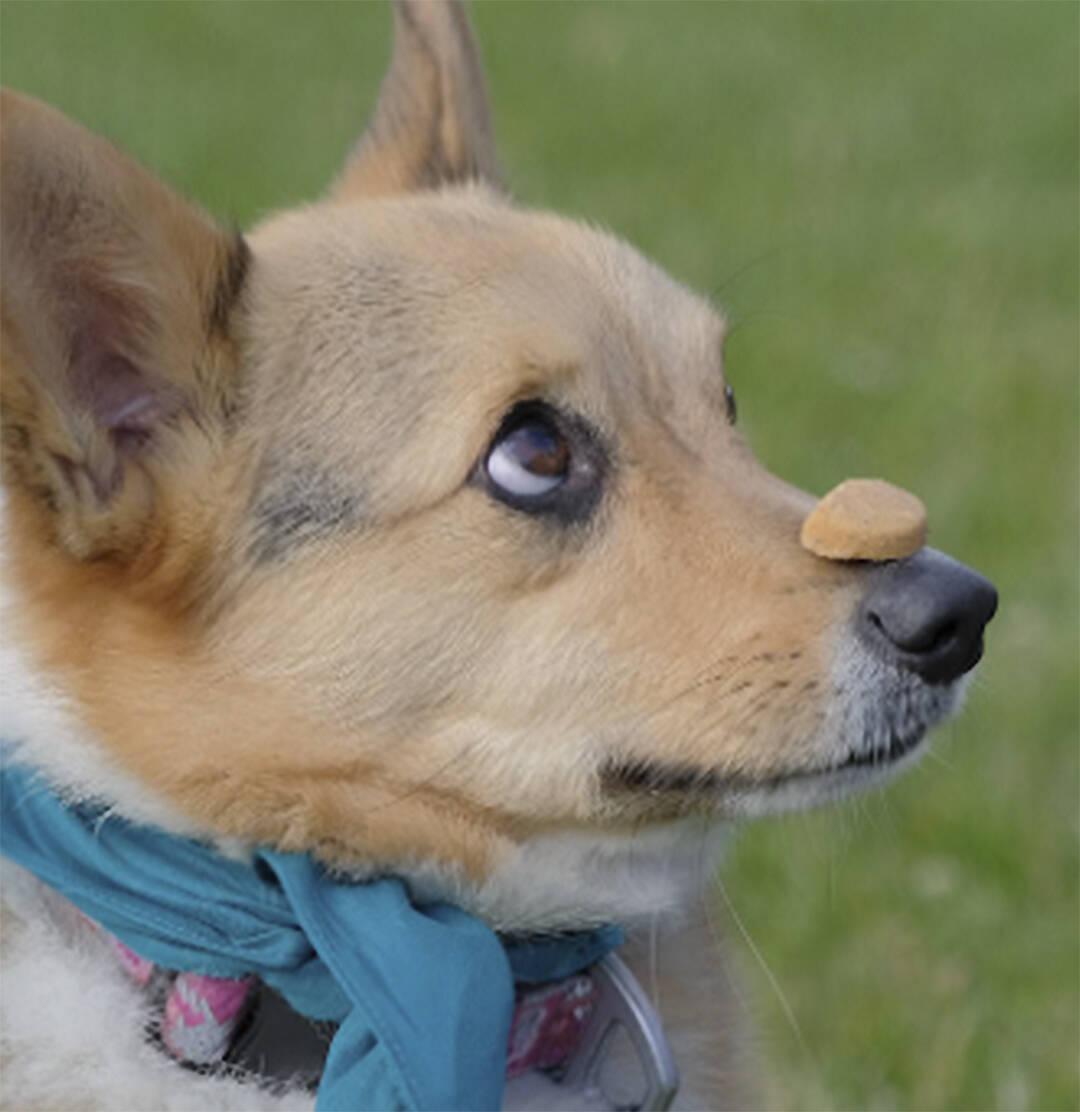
(116, 302)
(432, 122)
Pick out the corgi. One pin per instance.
(412, 529)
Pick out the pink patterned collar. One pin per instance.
(202, 1017)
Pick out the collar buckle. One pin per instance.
(622, 1059)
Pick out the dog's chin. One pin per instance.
(670, 789)
(805, 788)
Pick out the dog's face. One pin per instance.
(417, 528)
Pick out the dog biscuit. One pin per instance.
(865, 519)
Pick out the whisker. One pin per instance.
(708, 675)
(785, 1005)
(654, 959)
(746, 268)
(420, 785)
(933, 755)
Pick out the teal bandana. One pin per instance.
(423, 993)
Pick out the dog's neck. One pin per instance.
(582, 878)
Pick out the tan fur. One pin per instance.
(409, 673)
(433, 123)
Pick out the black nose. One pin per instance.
(927, 614)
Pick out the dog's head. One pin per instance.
(415, 528)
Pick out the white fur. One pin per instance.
(585, 878)
(71, 1023)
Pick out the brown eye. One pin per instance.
(529, 460)
(547, 462)
(729, 402)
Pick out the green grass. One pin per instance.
(885, 198)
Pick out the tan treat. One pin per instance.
(865, 519)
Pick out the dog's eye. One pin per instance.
(547, 462)
(729, 401)
(529, 458)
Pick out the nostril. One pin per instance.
(947, 632)
(876, 622)
(933, 638)
(909, 631)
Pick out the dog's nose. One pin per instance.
(927, 613)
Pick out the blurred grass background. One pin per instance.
(884, 198)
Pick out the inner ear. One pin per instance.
(432, 122)
(118, 299)
(118, 397)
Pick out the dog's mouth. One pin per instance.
(686, 785)
(866, 737)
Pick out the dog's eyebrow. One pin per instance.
(297, 505)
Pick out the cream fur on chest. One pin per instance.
(72, 1023)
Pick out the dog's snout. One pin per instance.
(927, 614)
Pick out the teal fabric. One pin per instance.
(424, 993)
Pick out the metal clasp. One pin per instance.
(622, 1063)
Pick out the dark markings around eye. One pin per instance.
(297, 506)
(580, 458)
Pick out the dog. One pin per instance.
(412, 530)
